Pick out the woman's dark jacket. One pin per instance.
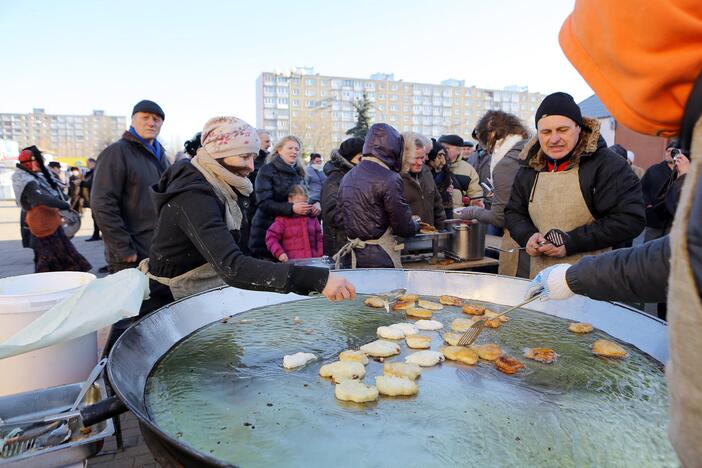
(610, 188)
(333, 230)
(371, 197)
(273, 184)
(191, 230)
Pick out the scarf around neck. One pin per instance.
(223, 183)
(154, 147)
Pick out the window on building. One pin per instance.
(309, 92)
(310, 81)
(348, 83)
(310, 103)
(296, 102)
(393, 97)
(268, 90)
(295, 92)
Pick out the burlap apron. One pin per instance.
(194, 281)
(556, 204)
(386, 242)
(508, 261)
(685, 326)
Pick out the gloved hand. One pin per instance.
(471, 212)
(551, 283)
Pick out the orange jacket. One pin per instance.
(641, 57)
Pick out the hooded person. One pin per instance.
(420, 189)
(372, 203)
(573, 197)
(340, 162)
(41, 200)
(651, 81)
(202, 228)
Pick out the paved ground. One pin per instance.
(14, 260)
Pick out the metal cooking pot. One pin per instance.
(468, 240)
(141, 347)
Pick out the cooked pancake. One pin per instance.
(402, 305)
(472, 309)
(425, 358)
(418, 313)
(418, 342)
(381, 348)
(354, 390)
(460, 354)
(508, 364)
(408, 298)
(452, 338)
(407, 328)
(297, 360)
(375, 301)
(493, 323)
(429, 305)
(545, 355)
(429, 325)
(580, 327)
(462, 324)
(390, 333)
(401, 369)
(451, 300)
(426, 228)
(354, 356)
(342, 370)
(491, 315)
(395, 386)
(489, 351)
(608, 348)
(446, 261)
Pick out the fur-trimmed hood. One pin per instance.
(590, 140)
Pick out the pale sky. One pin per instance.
(201, 59)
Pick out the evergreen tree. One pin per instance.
(362, 107)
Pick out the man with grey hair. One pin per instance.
(420, 189)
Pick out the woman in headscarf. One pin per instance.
(41, 199)
(283, 169)
(201, 234)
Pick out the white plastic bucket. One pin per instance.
(22, 300)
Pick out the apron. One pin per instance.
(685, 326)
(556, 189)
(386, 242)
(508, 261)
(194, 281)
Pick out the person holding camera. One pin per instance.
(654, 185)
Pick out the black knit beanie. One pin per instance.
(559, 104)
(435, 148)
(351, 147)
(150, 107)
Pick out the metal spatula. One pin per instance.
(472, 333)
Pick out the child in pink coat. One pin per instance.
(295, 236)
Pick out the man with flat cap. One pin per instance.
(571, 182)
(464, 178)
(120, 196)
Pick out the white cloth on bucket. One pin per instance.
(96, 305)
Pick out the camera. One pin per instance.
(674, 153)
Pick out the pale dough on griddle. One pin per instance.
(402, 369)
(425, 358)
(429, 325)
(418, 342)
(452, 338)
(356, 391)
(292, 361)
(460, 354)
(407, 328)
(353, 356)
(424, 304)
(395, 386)
(381, 348)
(390, 333)
(462, 324)
(580, 327)
(488, 351)
(342, 370)
(375, 301)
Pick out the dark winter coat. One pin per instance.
(314, 180)
(423, 197)
(85, 186)
(653, 184)
(371, 196)
(258, 162)
(333, 230)
(295, 236)
(273, 184)
(120, 197)
(610, 188)
(192, 230)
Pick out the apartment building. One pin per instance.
(319, 109)
(65, 136)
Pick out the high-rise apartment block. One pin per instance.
(319, 109)
(75, 136)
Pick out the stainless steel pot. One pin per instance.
(468, 241)
(141, 347)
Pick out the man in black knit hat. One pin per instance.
(120, 196)
(573, 197)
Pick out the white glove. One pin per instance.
(551, 283)
(471, 212)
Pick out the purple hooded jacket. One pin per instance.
(371, 197)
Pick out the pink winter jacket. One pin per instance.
(296, 236)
